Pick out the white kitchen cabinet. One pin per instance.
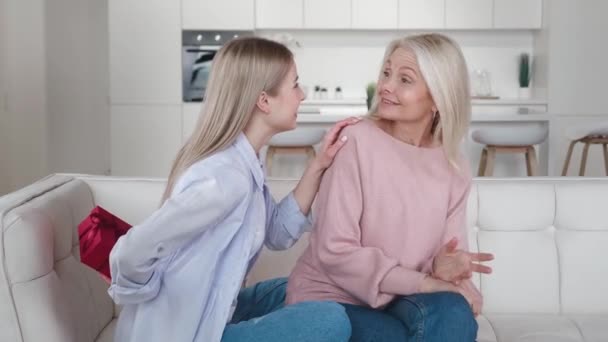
(323, 14)
(522, 14)
(190, 114)
(279, 14)
(145, 51)
(217, 15)
(374, 14)
(144, 139)
(468, 14)
(421, 14)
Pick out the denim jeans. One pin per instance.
(428, 317)
(260, 315)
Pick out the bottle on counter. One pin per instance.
(317, 93)
(323, 93)
(338, 94)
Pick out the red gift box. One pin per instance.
(98, 233)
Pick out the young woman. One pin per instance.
(178, 273)
(390, 241)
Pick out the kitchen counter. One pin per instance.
(306, 118)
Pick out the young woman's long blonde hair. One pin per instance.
(445, 72)
(242, 69)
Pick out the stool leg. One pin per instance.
(531, 163)
(568, 156)
(269, 156)
(490, 162)
(606, 157)
(581, 171)
(482, 162)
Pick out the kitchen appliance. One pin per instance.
(198, 50)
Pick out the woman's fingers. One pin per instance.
(333, 133)
(481, 268)
(481, 256)
(333, 149)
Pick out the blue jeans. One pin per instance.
(428, 317)
(261, 315)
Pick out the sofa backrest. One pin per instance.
(548, 236)
(46, 294)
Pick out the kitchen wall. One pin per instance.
(575, 56)
(54, 75)
(24, 117)
(3, 113)
(351, 59)
(77, 77)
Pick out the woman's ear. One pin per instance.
(263, 103)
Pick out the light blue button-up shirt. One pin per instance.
(178, 273)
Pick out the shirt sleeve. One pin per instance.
(285, 222)
(139, 257)
(357, 269)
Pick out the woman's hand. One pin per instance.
(307, 187)
(472, 295)
(332, 142)
(454, 265)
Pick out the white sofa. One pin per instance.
(550, 238)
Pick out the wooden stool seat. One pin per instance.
(510, 138)
(298, 141)
(488, 155)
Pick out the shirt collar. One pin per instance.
(244, 147)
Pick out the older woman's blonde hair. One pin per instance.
(241, 71)
(445, 72)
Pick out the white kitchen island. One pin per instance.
(506, 165)
(551, 153)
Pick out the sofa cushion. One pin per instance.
(54, 296)
(534, 328)
(107, 334)
(593, 328)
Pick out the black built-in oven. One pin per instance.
(198, 50)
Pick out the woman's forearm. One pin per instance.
(307, 187)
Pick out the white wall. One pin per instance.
(55, 70)
(24, 117)
(3, 96)
(77, 74)
(352, 59)
(576, 53)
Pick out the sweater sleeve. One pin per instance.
(357, 269)
(456, 225)
(456, 216)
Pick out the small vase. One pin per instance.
(525, 92)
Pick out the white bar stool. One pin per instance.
(588, 135)
(297, 141)
(506, 140)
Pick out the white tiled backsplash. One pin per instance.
(351, 59)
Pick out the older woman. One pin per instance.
(390, 241)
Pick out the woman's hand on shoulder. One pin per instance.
(333, 142)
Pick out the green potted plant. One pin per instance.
(371, 91)
(525, 75)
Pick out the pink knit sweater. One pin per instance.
(383, 210)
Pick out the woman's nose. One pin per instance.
(386, 86)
